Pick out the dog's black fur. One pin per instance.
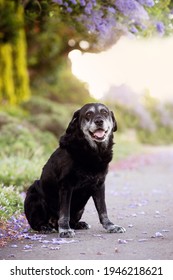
(75, 172)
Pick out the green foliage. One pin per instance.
(48, 123)
(162, 115)
(9, 24)
(50, 68)
(70, 89)
(151, 120)
(10, 202)
(19, 139)
(126, 144)
(20, 171)
(61, 86)
(24, 150)
(126, 117)
(162, 136)
(48, 115)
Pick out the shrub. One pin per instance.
(19, 171)
(48, 122)
(10, 202)
(23, 153)
(5, 119)
(17, 139)
(48, 115)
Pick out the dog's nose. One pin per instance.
(98, 122)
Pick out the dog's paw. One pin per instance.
(82, 225)
(46, 229)
(66, 233)
(115, 229)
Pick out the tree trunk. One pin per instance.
(7, 91)
(14, 79)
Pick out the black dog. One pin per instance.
(75, 172)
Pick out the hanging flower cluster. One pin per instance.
(105, 18)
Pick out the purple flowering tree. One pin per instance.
(103, 22)
(55, 27)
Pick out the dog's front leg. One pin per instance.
(64, 214)
(99, 200)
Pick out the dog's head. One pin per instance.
(96, 122)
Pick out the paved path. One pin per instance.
(139, 197)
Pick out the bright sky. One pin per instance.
(140, 64)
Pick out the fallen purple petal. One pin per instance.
(44, 246)
(55, 248)
(120, 218)
(157, 234)
(142, 240)
(37, 237)
(130, 226)
(63, 241)
(45, 241)
(122, 241)
(26, 247)
(135, 205)
(134, 215)
(14, 246)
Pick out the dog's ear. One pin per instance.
(114, 122)
(73, 125)
(72, 130)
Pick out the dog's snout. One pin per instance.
(98, 121)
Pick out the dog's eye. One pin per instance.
(104, 112)
(88, 115)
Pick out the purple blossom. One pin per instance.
(131, 9)
(88, 8)
(111, 10)
(133, 29)
(160, 27)
(107, 21)
(74, 2)
(82, 3)
(148, 3)
(65, 4)
(69, 10)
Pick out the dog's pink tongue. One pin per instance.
(99, 133)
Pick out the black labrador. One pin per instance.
(75, 172)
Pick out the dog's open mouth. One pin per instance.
(98, 134)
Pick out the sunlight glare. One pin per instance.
(140, 64)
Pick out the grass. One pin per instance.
(126, 144)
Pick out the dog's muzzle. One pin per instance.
(99, 133)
